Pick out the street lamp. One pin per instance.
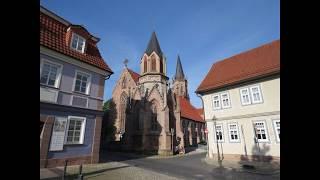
(120, 135)
(206, 132)
(172, 132)
(215, 128)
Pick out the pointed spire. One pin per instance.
(179, 71)
(153, 45)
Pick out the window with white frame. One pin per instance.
(255, 94)
(261, 131)
(225, 100)
(50, 73)
(216, 102)
(276, 124)
(75, 131)
(219, 133)
(77, 42)
(234, 132)
(245, 96)
(82, 82)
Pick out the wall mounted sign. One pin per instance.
(58, 133)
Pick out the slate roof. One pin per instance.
(255, 63)
(179, 71)
(153, 45)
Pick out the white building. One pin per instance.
(241, 99)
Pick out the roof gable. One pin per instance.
(135, 76)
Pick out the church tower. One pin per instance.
(180, 84)
(153, 69)
(153, 85)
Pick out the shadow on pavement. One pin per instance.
(118, 156)
(99, 172)
(114, 156)
(222, 172)
(190, 149)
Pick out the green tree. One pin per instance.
(108, 129)
(106, 105)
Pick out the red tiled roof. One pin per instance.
(257, 62)
(53, 36)
(135, 76)
(188, 111)
(200, 110)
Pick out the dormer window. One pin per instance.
(77, 43)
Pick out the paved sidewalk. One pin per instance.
(110, 171)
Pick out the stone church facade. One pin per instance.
(150, 115)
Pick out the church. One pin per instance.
(151, 114)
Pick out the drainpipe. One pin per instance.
(204, 117)
(215, 129)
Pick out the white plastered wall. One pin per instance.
(267, 111)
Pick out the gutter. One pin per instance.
(107, 77)
(204, 117)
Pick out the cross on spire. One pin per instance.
(125, 62)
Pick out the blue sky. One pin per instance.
(202, 32)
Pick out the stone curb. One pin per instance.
(261, 172)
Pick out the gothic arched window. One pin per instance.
(124, 82)
(154, 117)
(122, 112)
(161, 66)
(193, 133)
(145, 65)
(185, 133)
(153, 64)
